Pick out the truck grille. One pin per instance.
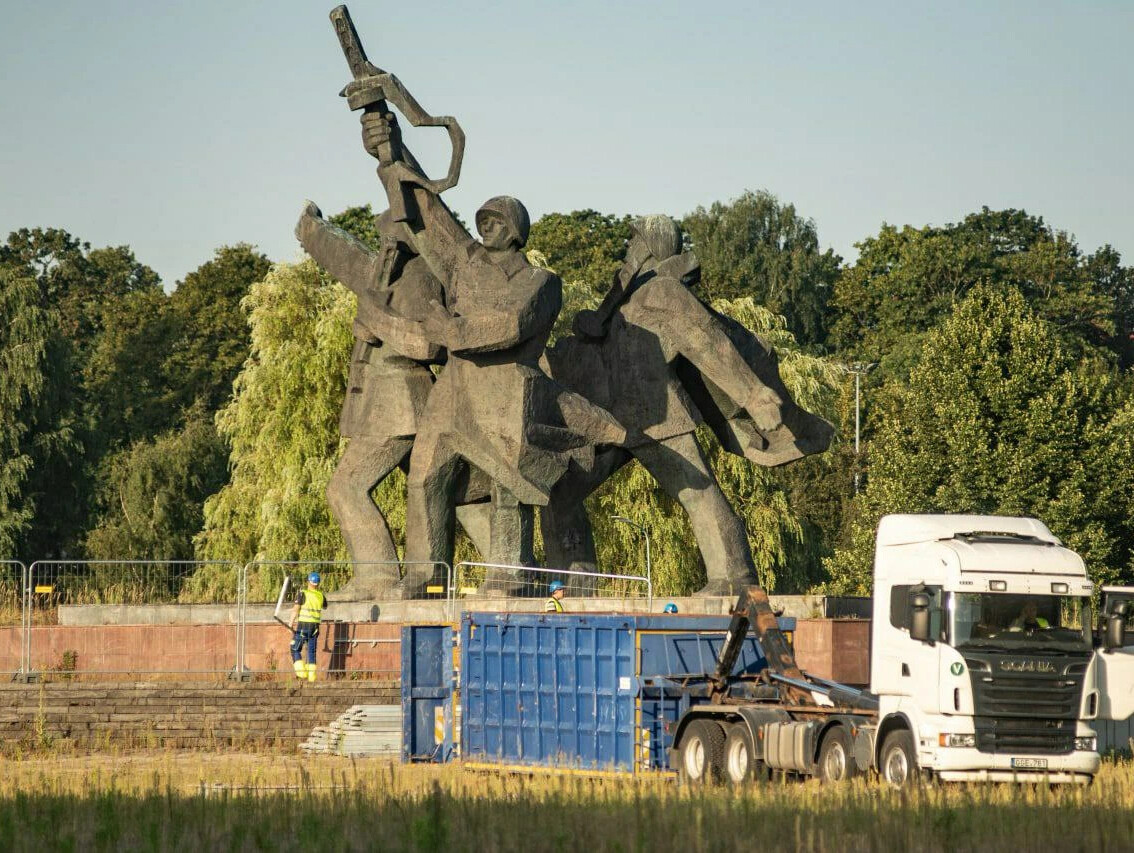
(1021, 705)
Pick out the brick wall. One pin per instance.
(177, 715)
(344, 647)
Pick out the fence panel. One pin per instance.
(13, 592)
(352, 644)
(107, 619)
(491, 580)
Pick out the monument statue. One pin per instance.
(492, 425)
(664, 362)
(450, 378)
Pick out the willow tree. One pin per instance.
(282, 424)
(23, 348)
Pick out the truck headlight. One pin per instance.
(957, 740)
(1086, 744)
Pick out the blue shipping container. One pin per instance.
(582, 690)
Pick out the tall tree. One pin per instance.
(211, 330)
(999, 416)
(906, 280)
(78, 287)
(24, 337)
(755, 246)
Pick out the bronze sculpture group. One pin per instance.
(507, 424)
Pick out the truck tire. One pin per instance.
(740, 762)
(898, 760)
(738, 758)
(836, 757)
(702, 752)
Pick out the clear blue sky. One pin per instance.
(176, 129)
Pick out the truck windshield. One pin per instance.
(1019, 622)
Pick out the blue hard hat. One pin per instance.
(555, 586)
(671, 608)
(314, 578)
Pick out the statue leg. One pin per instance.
(568, 539)
(366, 463)
(430, 510)
(510, 542)
(681, 468)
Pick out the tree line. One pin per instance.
(995, 358)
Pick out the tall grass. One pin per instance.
(335, 804)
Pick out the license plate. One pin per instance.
(1030, 763)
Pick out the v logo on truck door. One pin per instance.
(956, 667)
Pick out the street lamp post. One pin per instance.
(645, 535)
(859, 369)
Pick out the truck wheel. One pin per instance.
(740, 762)
(702, 752)
(898, 765)
(836, 758)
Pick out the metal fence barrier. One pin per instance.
(218, 619)
(13, 594)
(494, 579)
(127, 598)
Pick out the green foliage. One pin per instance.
(585, 248)
(585, 245)
(282, 423)
(1000, 416)
(784, 562)
(907, 280)
(24, 330)
(754, 246)
(359, 221)
(124, 377)
(151, 495)
(79, 289)
(210, 340)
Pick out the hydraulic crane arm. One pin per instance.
(753, 612)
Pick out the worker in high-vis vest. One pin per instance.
(305, 618)
(554, 604)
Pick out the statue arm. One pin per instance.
(493, 329)
(595, 324)
(688, 327)
(406, 336)
(340, 253)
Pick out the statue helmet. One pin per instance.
(514, 214)
(660, 233)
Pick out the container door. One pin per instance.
(427, 693)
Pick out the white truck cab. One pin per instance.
(1115, 660)
(982, 648)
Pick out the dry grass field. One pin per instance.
(194, 801)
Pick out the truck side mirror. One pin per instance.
(1116, 628)
(919, 617)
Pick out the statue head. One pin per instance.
(659, 234)
(511, 223)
